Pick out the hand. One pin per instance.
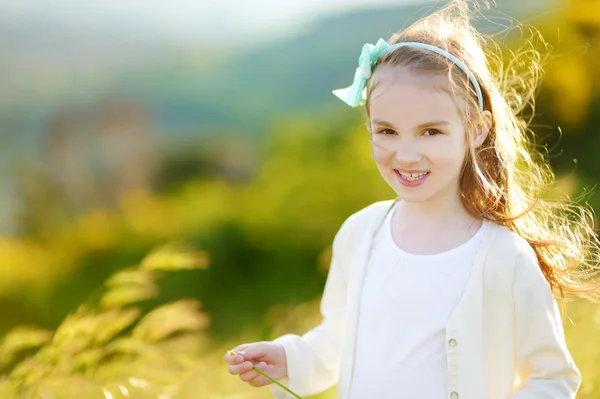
(267, 356)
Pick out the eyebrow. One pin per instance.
(421, 126)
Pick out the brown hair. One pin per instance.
(505, 178)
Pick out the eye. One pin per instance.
(386, 132)
(432, 132)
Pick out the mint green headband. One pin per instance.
(355, 95)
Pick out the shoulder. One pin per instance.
(360, 221)
(510, 253)
(507, 243)
(367, 215)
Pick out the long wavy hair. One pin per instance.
(505, 179)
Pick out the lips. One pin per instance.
(411, 178)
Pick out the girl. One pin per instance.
(447, 291)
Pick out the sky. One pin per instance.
(248, 19)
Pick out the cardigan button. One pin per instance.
(452, 342)
(454, 395)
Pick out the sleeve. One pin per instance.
(313, 359)
(544, 364)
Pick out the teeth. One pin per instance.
(413, 176)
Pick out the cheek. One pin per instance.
(446, 152)
(381, 156)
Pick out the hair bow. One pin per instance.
(355, 95)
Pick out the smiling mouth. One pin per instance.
(412, 176)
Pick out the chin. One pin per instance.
(413, 194)
(413, 198)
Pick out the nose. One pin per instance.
(407, 151)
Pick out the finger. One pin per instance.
(241, 347)
(233, 359)
(252, 373)
(232, 356)
(249, 375)
(240, 368)
(253, 351)
(261, 380)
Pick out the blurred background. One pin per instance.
(172, 174)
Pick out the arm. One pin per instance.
(544, 364)
(313, 359)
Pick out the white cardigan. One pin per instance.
(505, 337)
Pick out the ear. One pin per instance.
(482, 129)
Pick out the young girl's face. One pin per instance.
(418, 133)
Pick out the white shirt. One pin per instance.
(504, 338)
(405, 303)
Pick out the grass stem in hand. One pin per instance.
(232, 353)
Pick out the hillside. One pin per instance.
(249, 88)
